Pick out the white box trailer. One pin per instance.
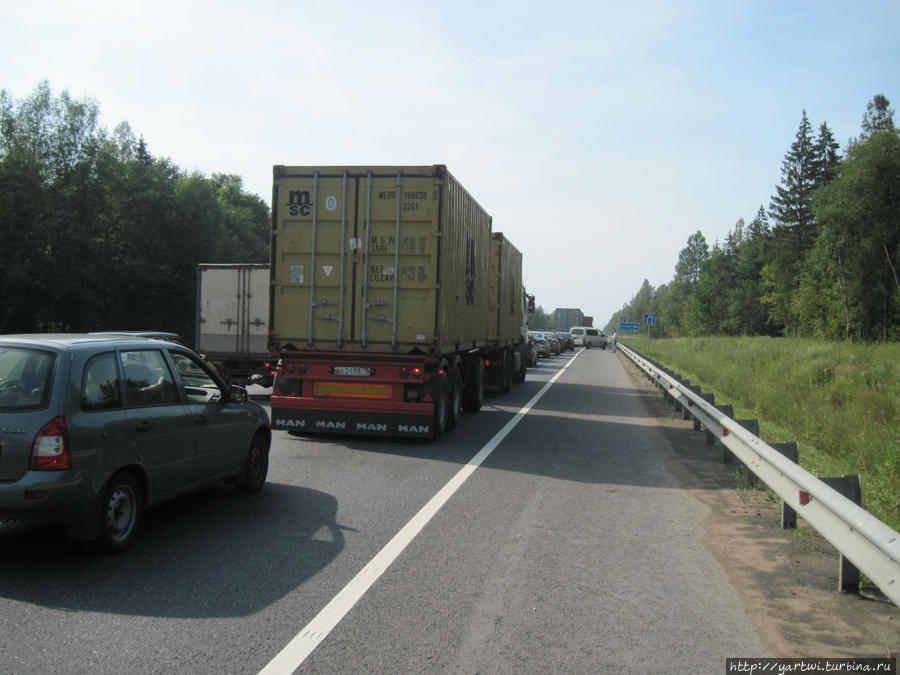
(232, 320)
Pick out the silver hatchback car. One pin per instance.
(93, 429)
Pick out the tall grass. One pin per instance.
(839, 401)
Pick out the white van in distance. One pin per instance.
(588, 337)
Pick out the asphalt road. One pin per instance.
(570, 548)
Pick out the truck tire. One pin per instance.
(441, 405)
(507, 373)
(455, 396)
(520, 373)
(473, 393)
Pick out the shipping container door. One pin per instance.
(314, 253)
(395, 293)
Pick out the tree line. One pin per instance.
(822, 261)
(98, 234)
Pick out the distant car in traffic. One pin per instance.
(566, 340)
(587, 337)
(541, 343)
(555, 347)
(95, 428)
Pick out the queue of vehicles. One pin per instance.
(390, 306)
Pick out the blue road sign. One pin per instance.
(650, 319)
(629, 326)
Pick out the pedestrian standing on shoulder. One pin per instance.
(615, 336)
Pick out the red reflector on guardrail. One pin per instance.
(804, 498)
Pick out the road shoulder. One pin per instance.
(787, 578)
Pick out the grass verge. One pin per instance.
(839, 401)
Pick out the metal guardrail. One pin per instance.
(860, 537)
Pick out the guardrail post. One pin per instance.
(685, 413)
(788, 515)
(709, 398)
(680, 381)
(851, 488)
(753, 427)
(726, 409)
(750, 425)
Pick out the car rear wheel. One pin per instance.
(120, 513)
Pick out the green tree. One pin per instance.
(691, 258)
(97, 233)
(825, 155)
(857, 259)
(879, 116)
(794, 231)
(751, 254)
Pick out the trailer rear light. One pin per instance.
(295, 367)
(414, 372)
(50, 449)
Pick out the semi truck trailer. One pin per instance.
(393, 305)
(566, 317)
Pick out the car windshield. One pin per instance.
(25, 378)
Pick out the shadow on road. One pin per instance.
(276, 540)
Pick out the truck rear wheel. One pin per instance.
(441, 406)
(455, 397)
(507, 373)
(473, 394)
(520, 372)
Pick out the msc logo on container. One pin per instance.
(299, 202)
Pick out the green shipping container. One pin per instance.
(507, 325)
(378, 259)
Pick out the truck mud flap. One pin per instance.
(369, 424)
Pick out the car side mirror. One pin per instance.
(238, 394)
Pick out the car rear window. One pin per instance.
(593, 332)
(26, 378)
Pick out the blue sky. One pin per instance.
(599, 135)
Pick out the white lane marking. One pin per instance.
(302, 645)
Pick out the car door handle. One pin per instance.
(144, 426)
(200, 419)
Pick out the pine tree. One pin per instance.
(794, 231)
(790, 206)
(825, 155)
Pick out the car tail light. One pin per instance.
(50, 450)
